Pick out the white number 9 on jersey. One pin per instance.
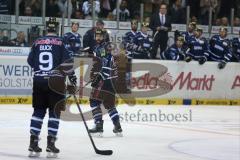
(46, 60)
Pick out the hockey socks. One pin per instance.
(53, 123)
(36, 121)
(113, 114)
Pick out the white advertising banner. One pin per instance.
(14, 51)
(190, 80)
(16, 76)
(162, 79)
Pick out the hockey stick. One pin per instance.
(79, 89)
(101, 152)
(154, 36)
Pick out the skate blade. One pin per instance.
(119, 134)
(34, 154)
(97, 135)
(52, 155)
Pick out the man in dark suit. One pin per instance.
(160, 24)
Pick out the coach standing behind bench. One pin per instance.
(160, 24)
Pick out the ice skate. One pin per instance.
(117, 129)
(34, 149)
(97, 130)
(52, 151)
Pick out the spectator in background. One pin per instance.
(60, 4)
(4, 40)
(77, 5)
(236, 21)
(78, 14)
(19, 40)
(36, 6)
(22, 6)
(194, 7)
(107, 7)
(205, 6)
(123, 11)
(160, 24)
(110, 17)
(28, 11)
(194, 19)
(156, 4)
(134, 8)
(87, 8)
(217, 22)
(136, 15)
(52, 9)
(224, 21)
(225, 8)
(177, 13)
(65, 7)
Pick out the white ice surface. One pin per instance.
(213, 134)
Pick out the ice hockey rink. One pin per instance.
(210, 133)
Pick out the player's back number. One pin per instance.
(46, 61)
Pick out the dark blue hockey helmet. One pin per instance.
(52, 24)
(145, 24)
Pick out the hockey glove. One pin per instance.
(221, 65)
(73, 80)
(72, 87)
(202, 60)
(96, 80)
(191, 46)
(140, 49)
(188, 59)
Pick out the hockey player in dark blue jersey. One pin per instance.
(175, 52)
(142, 43)
(236, 49)
(48, 53)
(89, 36)
(128, 47)
(197, 48)
(129, 37)
(188, 35)
(103, 75)
(219, 47)
(72, 39)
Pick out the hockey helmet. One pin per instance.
(145, 24)
(99, 21)
(52, 25)
(99, 31)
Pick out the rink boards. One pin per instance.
(142, 101)
(153, 82)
